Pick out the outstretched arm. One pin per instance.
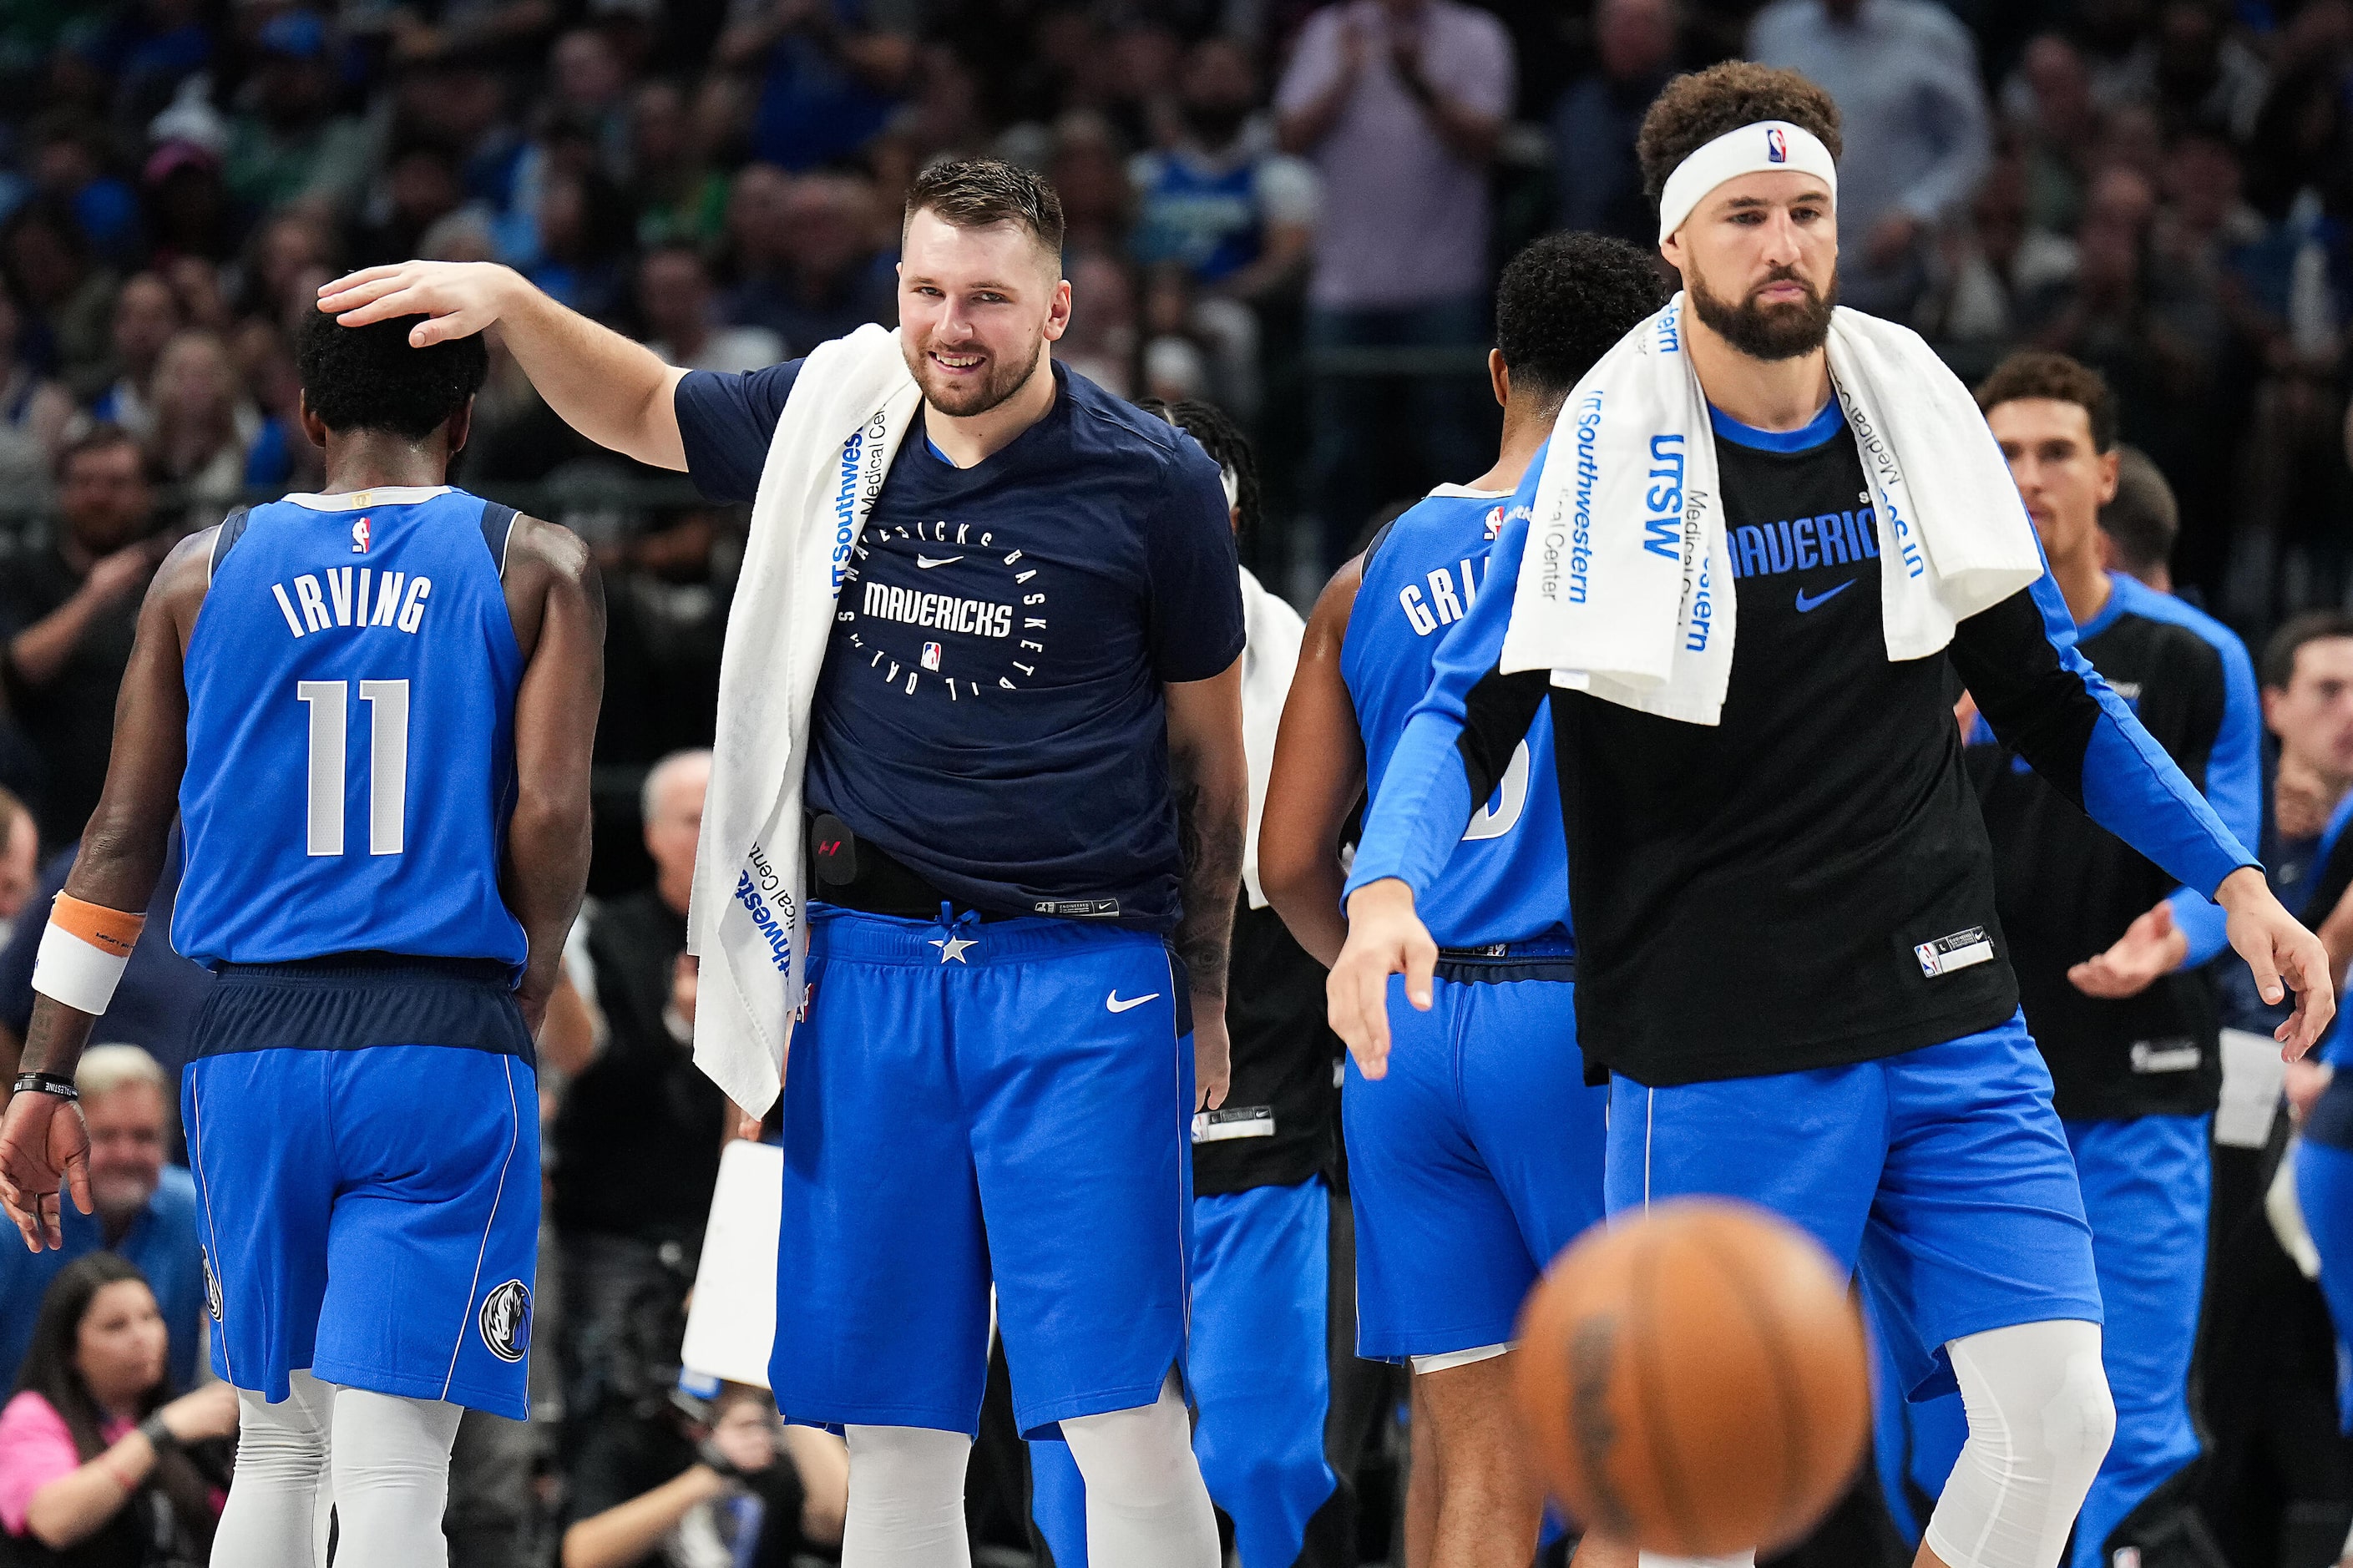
(615, 392)
(43, 1144)
(557, 601)
(2046, 702)
(1210, 780)
(1318, 775)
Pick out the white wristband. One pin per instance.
(77, 972)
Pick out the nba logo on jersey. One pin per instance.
(1777, 146)
(931, 656)
(360, 537)
(1494, 524)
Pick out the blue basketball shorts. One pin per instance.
(2324, 1187)
(364, 1138)
(1942, 1175)
(1260, 1371)
(1006, 1103)
(1474, 1160)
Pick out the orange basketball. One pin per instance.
(1693, 1380)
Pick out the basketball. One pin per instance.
(1694, 1381)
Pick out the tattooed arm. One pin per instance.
(1211, 783)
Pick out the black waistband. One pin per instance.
(347, 965)
(1484, 967)
(872, 882)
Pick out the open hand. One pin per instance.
(2283, 955)
(2152, 947)
(1385, 938)
(44, 1149)
(462, 297)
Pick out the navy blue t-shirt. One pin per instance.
(991, 709)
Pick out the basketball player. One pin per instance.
(979, 1093)
(1477, 1156)
(372, 709)
(1788, 954)
(1259, 1367)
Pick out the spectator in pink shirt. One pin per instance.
(96, 1466)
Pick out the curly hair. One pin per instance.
(2042, 372)
(1227, 448)
(368, 378)
(1566, 300)
(1696, 108)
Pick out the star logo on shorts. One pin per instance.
(953, 947)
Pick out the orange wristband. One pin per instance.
(112, 932)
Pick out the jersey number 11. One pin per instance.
(388, 703)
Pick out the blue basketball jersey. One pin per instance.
(1508, 879)
(350, 734)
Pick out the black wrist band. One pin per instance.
(158, 1437)
(47, 1083)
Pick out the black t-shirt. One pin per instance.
(636, 1140)
(991, 710)
(1277, 1126)
(69, 719)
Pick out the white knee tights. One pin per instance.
(906, 1499)
(1147, 1505)
(390, 1459)
(2040, 1422)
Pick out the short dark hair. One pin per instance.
(2313, 626)
(1567, 299)
(975, 192)
(1697, 107)
(101, 437)
(2143, 519)
(368, 378)
(1227, 448)
(2044, 373)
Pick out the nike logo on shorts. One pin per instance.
(927, 563)
(1819, 600)
(1116, 1005)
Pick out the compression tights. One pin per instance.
(389, 1458)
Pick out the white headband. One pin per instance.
(1761, 148)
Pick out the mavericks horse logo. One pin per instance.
(505, 1320)
(212, 1289)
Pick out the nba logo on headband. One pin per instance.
(1777, 148)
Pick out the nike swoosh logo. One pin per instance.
(925, 561)
(1116, 1005)
(1819, 600)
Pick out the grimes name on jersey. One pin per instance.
(352, 597)
(975, 617)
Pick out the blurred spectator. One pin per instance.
(33, 412)
(1913, 116)
(675, 301)
(69, 167)
(67, 612)
(758, 1494)
(1599, 185)
(584, 237)
(287, 143)
(587, 80)
(1220, 201)
(146, 315)
(68, 299)
(20, 862)
(832, 73)
(146, 1210)
(2197, 74)
(1101, 343)
(636, 1151)
(280, 456)
(203, 427)
(808, 267)
(282, 251)
(78, 1468)
(2049, 108)
(156, 1005)
(679, 192)
(1088, 174)
(1399, 104)
(186, 202)
(2140, 521)
(1989, 272)
(420, 188)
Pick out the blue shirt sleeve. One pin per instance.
(2234, 770)
(725, 421)
(1196, 611)
(1413, 824)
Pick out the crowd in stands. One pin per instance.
(1296, 210)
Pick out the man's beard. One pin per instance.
(1768, 332)
(963, 399)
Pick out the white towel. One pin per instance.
(849, 407)
(1270, 657)
(1626, 590)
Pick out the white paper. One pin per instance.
(731, 1323)
(2254, 1077)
